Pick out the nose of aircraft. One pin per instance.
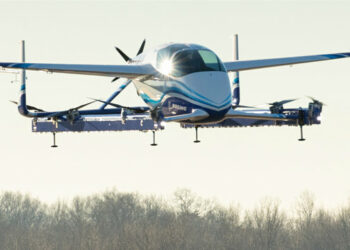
(210, 90)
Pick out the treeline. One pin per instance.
(114, 220)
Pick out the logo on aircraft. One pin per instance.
(177, 107)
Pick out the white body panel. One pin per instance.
(210, 90)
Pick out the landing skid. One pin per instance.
(196, 141)
(54, 145)
(301, 134)
(154, 139)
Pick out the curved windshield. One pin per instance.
(177, 61)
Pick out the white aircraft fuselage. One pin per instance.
(191, 77)
(179, 82)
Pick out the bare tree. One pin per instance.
(114, 220)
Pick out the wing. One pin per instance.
(127, 71)
(264, 63)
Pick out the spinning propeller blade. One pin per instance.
(82, 106)
(316, 101)
(65, 112)
(136, 110)
(281, 102)
(277, 107)
(243, 106)
(109, 103)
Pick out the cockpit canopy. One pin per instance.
(179, 60)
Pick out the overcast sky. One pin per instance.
(241, 165)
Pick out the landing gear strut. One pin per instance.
(301, 122)
(196, 141)
(54, 141)
(301, 134)
(154, 138)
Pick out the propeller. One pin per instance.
(277, 107)
(30, 107)
(281, 102)
(136, 110)
(115, 78)
(142, 47)
(316, 101)
(69, 111)
(127, 58)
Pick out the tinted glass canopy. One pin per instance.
(179, 60)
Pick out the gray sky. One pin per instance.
(232, 165)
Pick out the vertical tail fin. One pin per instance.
(22, 105)
(235, 84)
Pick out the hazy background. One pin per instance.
(239, 165)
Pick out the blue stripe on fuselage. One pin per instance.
(149, 100)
